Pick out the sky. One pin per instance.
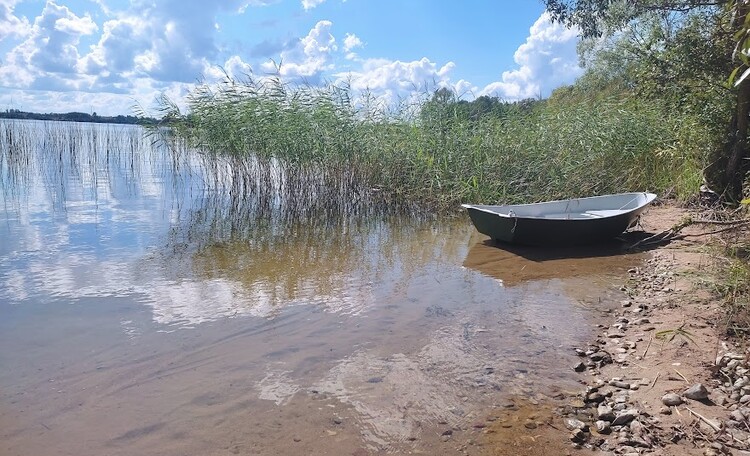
(106, 56)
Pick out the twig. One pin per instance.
(683, 377)
(722, 222)
(717, 231)
(657, 378)
(706, 420)
(643, 356)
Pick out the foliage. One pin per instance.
(687, 50)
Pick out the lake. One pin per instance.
(148, 308)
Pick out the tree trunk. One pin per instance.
(735, 152)
(736, 166)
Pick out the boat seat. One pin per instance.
(605, 213)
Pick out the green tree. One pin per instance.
(698, 42)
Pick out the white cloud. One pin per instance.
(10, 24)
(351, 41)
(52, 45)
(546, 60)
(394, 81)
(310, 57)
(310, 4)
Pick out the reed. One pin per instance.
(322, 143)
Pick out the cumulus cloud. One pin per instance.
(546, 60)
(351, 41)
(10, 24)
(393, 81)
(310, 56)
(52, 44)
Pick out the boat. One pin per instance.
(564, 222)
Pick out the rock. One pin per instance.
(573, 424)
(665, 411)
(745, 399)
(697, 392)
(595, 398)
(530, 425)
(603, 427)
(579, 367)
(577, 436)
(600, 356)
(737, 415)
(671, 399)
(605, 413)
(620, 384)
(625, 417)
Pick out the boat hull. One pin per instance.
(539, 230)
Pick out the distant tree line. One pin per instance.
(445, 103)
(75, 117)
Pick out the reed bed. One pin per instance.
(322, 143)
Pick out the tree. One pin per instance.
(597, 18)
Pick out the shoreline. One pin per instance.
(650, 375)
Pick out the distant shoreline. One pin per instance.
(76, 117)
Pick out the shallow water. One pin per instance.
(143, 310)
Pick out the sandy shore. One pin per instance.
(661, 377)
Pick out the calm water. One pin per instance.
(146, 308)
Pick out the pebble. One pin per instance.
(573, 424)
(625, 417)
(579, 367)
(620, 384)
(697, 392)
(603, 427)
(605, 413)
(671, 399)
(577, 436)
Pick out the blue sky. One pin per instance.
(106, 55)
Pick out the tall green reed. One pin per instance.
(310, 143)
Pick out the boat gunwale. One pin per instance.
(650, 197)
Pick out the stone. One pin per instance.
(605, 413)
(697, 392)
(573, 424)
(671, 399)
(579, 367)
(620, 384)
(625, 417)
(577, 436)
(665, 411)
(600, 356)
(737, 415)
(603, 427)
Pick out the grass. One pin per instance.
(732, 282)
(321, 142)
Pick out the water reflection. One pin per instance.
(180, 306)
(513, 265)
